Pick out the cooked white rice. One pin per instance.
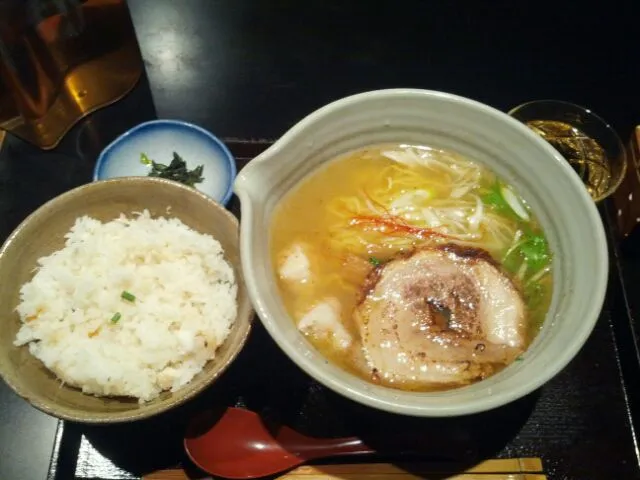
(77, 323)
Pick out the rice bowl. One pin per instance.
(82, 321)
(43, 233)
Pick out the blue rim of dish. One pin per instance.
(97, 170)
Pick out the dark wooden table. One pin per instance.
(247, 70)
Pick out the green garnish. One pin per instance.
(374, 261)
(144, 159)
(535, 252)
(128, 296)
(177, 170)
(116, 317)
(503, 200)
(519, 359)
(493, 198)
(531, 250)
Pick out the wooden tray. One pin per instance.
(505, 469)
(580, 424)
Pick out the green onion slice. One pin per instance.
(130, 297)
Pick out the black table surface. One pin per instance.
(248, 70)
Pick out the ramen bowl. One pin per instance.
(491, 138)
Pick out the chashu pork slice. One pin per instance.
(442, 315)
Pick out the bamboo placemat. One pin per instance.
(496, 469)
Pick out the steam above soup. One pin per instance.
(412, 267)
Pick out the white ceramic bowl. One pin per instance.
(158, 139)
(545, 180)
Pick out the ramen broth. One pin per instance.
(362, 217)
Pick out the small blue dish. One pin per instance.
(158, 139)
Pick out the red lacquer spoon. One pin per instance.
(239, 445)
